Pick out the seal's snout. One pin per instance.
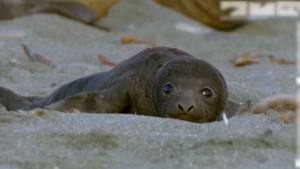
(186, 108)
(185, 103)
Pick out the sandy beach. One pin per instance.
(58, 140)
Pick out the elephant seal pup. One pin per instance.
(159, 81)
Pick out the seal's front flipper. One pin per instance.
(71, 9)
(115, 99)
(95, 102)
(233, 108)
(12, 101)
(84, 102)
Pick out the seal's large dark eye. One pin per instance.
(168, 89)
(206, 93)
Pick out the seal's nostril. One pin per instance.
(180, 107)
(191, 108)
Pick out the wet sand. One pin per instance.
(60, 140)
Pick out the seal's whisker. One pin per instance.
(224, 117)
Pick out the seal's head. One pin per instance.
(189, 89)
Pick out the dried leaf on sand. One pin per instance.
(244, 60)
(106, 61)
(127, 40)
(35, 57)
(275, 60)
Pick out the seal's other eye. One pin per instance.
(168, 89)
(207, 93)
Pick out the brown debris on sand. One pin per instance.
(288, 118)
(129, 39)
(275, 60)
(247, 59)
(35, 57)
(279, 103)
(106, 61)
(244, 60)
(285, 104)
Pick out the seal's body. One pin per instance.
(158, 81)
